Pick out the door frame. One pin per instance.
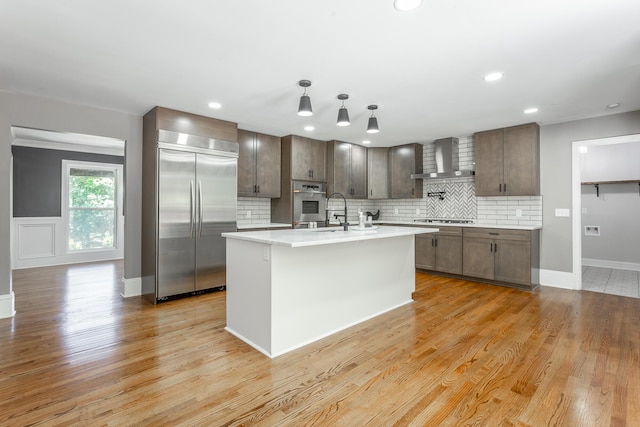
(577, 196)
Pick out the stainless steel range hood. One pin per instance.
(447, 161)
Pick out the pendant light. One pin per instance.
(372, 126)
(304, 109)
(343, 114)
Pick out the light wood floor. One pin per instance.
(463, 353)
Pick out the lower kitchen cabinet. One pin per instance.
(441, 251)
(503, 255)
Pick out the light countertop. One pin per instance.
(325, 235)
(475, 225)
(263, 225)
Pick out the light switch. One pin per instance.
(248, 214)
(518, 212)
(395, 211)
(562, 212)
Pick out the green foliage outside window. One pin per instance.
(92, 195)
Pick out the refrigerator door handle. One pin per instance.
(193, 210)
(201, 210)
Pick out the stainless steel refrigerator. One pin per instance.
(196, 185)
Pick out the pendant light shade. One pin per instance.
(372, 126)
(343, 114)
(304, 108)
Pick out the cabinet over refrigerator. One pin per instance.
(195, 184)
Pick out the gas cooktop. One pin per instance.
(444, 221)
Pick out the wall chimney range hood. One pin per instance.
(447, 161)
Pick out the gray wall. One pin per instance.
(556, 250)
(37, 179)
(616, 212)
(44, 113)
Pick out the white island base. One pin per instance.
(281, 297)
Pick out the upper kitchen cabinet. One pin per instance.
(508, 161)
(378, 172)
(306, 157)
(259, 165)
(405, 160)
(347, 169)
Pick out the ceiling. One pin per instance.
(424, 69)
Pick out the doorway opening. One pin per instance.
(577, 226)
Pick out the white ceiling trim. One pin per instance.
(66, 141)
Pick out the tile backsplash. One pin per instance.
(459, 200)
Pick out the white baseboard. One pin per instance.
(131, 287)
(7, 305)
(557, 279)
(611, 264)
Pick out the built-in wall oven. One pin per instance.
(309, 203)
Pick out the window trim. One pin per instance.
(67, 165)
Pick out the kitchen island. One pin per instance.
(288, 288)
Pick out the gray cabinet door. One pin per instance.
(268, 165)
(477, 258)
(246, 163)
(378, 172)
(308, 159)
(425, 251)
(358, 172)
(448, 254)
(340, 168)
(405, 160)
(521, 160)
(489, 162)
(513, 261)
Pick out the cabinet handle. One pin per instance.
(491, 247)
(505, 187)
(495, 247)
(371, 192)
(433, 242)
(413, 191)
(494, 234)
(255, 190)
(436, 240)
(258, 188)
(500, 188)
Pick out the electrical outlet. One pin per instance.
(562, 212)
(417, 211)
(584, 211)
(592, 230)
(395, 211)
(248, 214)
(518, 212)
(265, 253)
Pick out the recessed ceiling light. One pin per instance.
(214, 105)
(492, 77)
(309, 128)
(366, 141)
(614, 105)
(531, 110)
(406, 5)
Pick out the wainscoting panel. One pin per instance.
(40, 242)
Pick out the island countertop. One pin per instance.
(326, 235)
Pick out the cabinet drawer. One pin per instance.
(448, 231)
(498, 234)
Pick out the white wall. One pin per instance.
(615, 212)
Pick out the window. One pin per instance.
(92, 194)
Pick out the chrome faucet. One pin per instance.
(345, 223)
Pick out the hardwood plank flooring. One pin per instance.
(462, 353)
